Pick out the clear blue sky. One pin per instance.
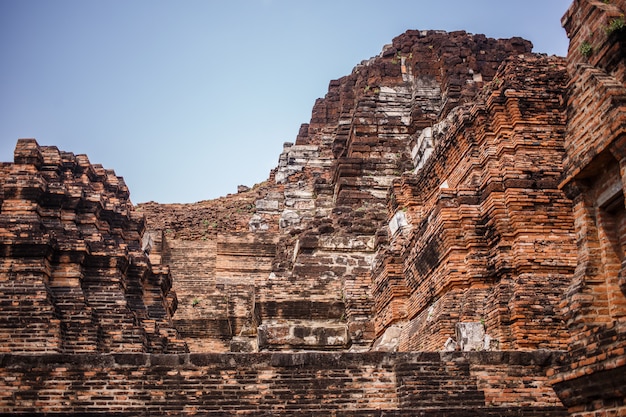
(188, 99)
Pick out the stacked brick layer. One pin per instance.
(279, 384)
(73, 276)
(325, 203)
(452, 184)
(488, 235)
(594, 381)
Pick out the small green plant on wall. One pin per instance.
(195, 302)
(586, 49)
(615, 25)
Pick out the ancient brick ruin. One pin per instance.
(445, 237)
(594, 306)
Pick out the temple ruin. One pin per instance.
(446, 236)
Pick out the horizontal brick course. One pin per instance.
(270, 383)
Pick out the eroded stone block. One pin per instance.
(470, 336)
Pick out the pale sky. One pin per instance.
(188, 99)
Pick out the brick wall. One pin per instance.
(453, 182)
(594, 381)
(216, 281)
(346, 384)
(73, 275)
(488, 235)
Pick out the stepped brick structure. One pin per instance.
(445, 237)
(328, 196)
(486, 235)
(74, 277)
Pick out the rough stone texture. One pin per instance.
(73, 276)
(279, 384)
(594, 381)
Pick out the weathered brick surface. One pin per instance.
(451, 185)
(73, 276)
(353, 384)
(593, 382)
(488, 235)
(216, 284)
